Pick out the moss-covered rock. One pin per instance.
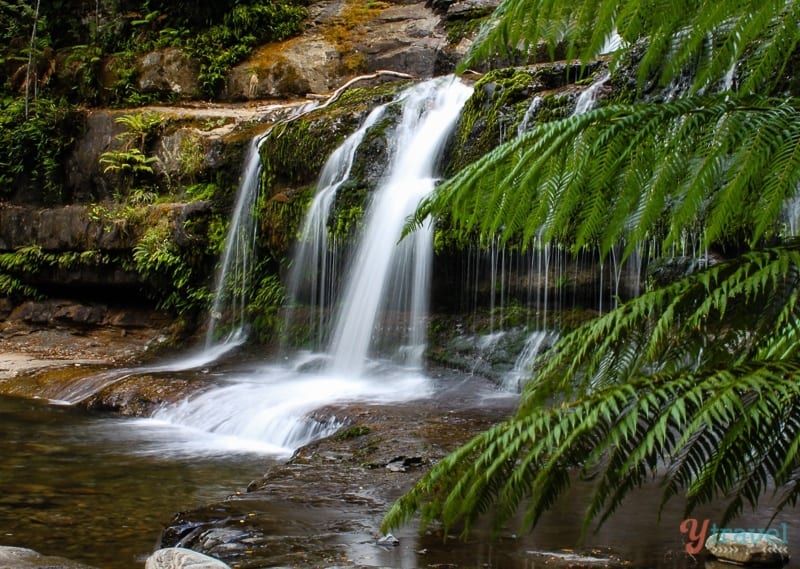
(499, 102)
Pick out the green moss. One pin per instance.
(554, 107)
(295, 152)
(280, 217)
(352, 432)
(500, 100)
(488, 114)
(458, 29)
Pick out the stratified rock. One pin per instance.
(406, 37)
(22, 558)
(748, 548)
(180, 558)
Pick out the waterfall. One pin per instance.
(270, 408)
(533, 108)
(385, 275)
(314, 273)
(588, 98)
(238, 256)
(232, 284)
(536, 341)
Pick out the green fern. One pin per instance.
(633, 173)
(653, 409)
(684, 381)
(706, 37)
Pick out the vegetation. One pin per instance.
(99, 44)
(695, 381)
(35, 148)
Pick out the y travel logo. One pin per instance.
(698, 531)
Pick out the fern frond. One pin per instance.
(707, 38)
(697, 163)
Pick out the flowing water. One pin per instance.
(99, 489)
(384, 274)
(314, 273)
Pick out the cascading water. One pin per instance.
(532, 109)
(314, 273)
(239, 253)
(588, 98)
(534, 344)
(386, 275)
(267, 409)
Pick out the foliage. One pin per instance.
(167, 270)
(245, 26)
(694, 375)
(108, 37)
(34, 149)
(268, 298)
(700, 383)
(758, 36)
(18, 266)
(130, 162)
(634, 172)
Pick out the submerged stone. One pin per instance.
(23, 558)
(180, 558)
(388, 539)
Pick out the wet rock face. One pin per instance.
(60, 229)
(341, 41)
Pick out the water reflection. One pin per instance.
(89, 489)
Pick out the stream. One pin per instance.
(99, 489)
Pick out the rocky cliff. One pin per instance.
(147, 191)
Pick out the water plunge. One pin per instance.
(384, 274)
(268, 409)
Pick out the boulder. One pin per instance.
(748, 548)
(404, 36)
(180, 558)
(471, 8)
(22, 558)
(168, 70)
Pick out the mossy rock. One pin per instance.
(295, 151)
(499, 102)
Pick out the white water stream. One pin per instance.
(268, 409)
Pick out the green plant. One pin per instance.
(191, 157)
(167, 271)
(691, 377)
(268, 298)
(245, 26)
(141, 128)
(130, 162)
(34, 149)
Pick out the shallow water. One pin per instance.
(99, 489)
(96, 489)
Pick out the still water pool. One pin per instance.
(97, 489)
